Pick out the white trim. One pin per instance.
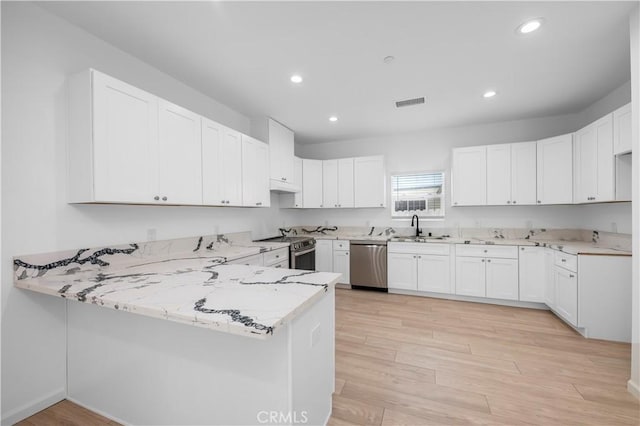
(633, 388)
(515, 303)
(100, 412)
(31, 408)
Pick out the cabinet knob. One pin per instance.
(522, 248)
(539, 202)
(563, 260)
(164, 198)
(514, 202)
(335, 205)
(508, 202)
(485, 251)
(571, 275)
(222, 201)
(258, 204)
(488, 260)
(156, 198)
(483, 260)
(455, 203)
(320, 205)
(277, 256)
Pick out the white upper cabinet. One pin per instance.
(255, 173)
(555, 170)
(346, 183)
(498, 175)
(469, 175)
(221, 165)
(294, 200)
(179, 155)
(311, 183)
(594, 162)
(622, 130)
(329, 183)
(281, 152)
(369, 180)
(113, 141)
(523, 173)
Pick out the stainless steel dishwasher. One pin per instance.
(368, 267)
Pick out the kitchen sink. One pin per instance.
(420, 239)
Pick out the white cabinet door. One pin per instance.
(369, 179)
(469, 176)
(281, 142)
(498, 175)
(125, 142)
(502, 278)
(255, 173)
(221, 165)
(179, 155)
(594, 162)
(532, 270)
(550, 279)
(341, 265)
(345, 183)
(402, 271)
(434, 273)
(622, 130)
(324, 255)
(555, 170)
(523, 173)
(298, 181)
(470, 276)
(311, 183)
(230, 163)
(566, 294)
(330, 183)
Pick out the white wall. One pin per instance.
(39, 51)
(431, 150)
(634, 30)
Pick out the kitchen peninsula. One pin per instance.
(271, 326)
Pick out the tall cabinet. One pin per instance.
(221, 165)
(469, 176)
(555, 170)
(594, 162)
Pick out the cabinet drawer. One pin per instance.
(481, 250)
(284, 265)
(567, 261)
(341, 245)
(255, 259)
(276, 256)
(420, 248)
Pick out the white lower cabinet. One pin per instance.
(324, 255)
(342, 260)
(470, 276)
(532, 274)
(419, 267)
(566, 286)
(549, 279)
(502, 278)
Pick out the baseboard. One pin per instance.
(449, 296)
(95, 410)
(32, 407)
(633, 388)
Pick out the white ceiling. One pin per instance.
(243, 53)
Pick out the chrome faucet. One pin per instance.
(418, 231)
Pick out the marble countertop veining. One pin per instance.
(185, 281)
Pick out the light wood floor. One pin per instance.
(403, 360)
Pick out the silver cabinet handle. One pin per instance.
(571, 275)
(563, 260)
(488, 260)
(258, 204)
(522, 248)
(508, 202)
(156, 198)
(381, 205)
(514, 202)
(485, 251)
(483, 260)
(455, 203)
(164, 198)
(539, 202)
(222, 201)
(277, 256)
(320, 205)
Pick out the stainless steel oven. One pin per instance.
(302, 252)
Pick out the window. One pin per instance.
(417, 193)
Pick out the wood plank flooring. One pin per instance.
(404, 360)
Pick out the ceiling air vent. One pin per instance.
(409, 102)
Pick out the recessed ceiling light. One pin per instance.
(388, 59)
(333, 118)
(530, 26)
(489, 94)
(296, 78)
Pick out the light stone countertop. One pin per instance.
(184, 280)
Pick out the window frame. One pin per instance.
(440, 217)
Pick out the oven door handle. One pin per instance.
(300, 253)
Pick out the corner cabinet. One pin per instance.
(555, 170)
(594, 162)
(469, 176)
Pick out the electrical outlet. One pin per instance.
(315, 335)
(151, 234)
